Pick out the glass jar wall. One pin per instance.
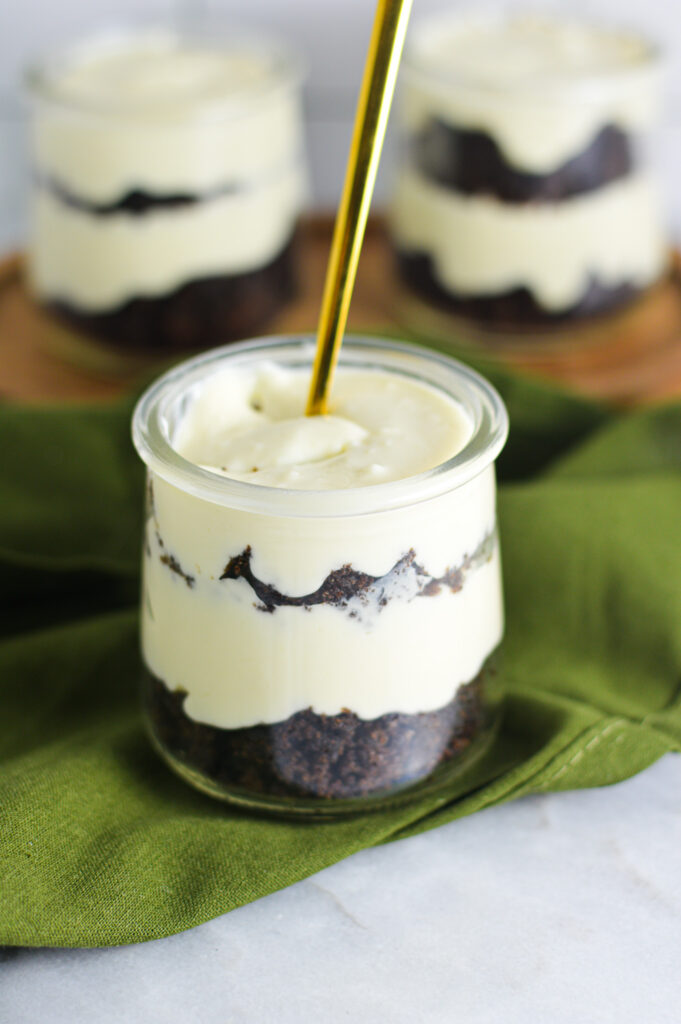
(320, 651)
(525, 196)
(168, 180)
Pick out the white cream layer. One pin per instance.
(155, 114)
(249, 423)
(242, 666)
(481, 246)
(97, 263)
(541, 87)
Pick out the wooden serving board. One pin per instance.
(628, 358)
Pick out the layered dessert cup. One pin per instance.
(322, 604)
(525, 195)
(168, 178)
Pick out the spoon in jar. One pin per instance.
(371, 119)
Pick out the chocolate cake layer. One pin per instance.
(200, 314)
(322, 756)
(345, 584)
(472, 163)
(136, 202)
(516, 307)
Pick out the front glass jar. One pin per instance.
(169, 176)
(320, 651)
(525, 197)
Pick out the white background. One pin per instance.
(331, 36)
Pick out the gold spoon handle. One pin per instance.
(371, 119)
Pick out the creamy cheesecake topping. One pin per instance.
(525, 48)
(156, 73)
(249, 424)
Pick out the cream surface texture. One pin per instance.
(391, 649)
(250, 424)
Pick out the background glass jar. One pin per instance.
(525, 196)
(316, 651)
(168, 180)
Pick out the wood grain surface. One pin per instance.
(628, 358)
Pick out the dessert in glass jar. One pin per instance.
(322, 601)
(526, 196)
(168, 181)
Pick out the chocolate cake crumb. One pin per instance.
(166, 558)
(346, 584)
(137, 202)
(338, 587)
(175, 566)
(325, 756)
(470, 162)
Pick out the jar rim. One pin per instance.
(480, 400)
(585, 82)
(284, 71)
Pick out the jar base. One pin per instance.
(317, 809)
(319, 766)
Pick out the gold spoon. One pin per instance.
(371, 119)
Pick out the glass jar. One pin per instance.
(168, 180)
(525, 196)
(320, 651)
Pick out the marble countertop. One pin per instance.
(550, 910)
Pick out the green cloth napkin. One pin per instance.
(100, 844)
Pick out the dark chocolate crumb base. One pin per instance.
(136, 202)
(346, 586)
(165, 556)
(472, 163)
(514, 308)
(322, 756)
(200, 314)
